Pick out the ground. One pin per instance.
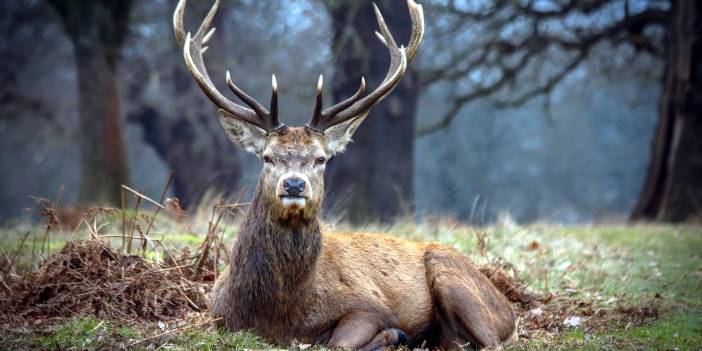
(594, 287)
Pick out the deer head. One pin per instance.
(294, 158)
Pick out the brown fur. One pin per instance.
(288, 281)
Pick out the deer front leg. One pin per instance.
(470, 308)
(387, 337)
(365, 331)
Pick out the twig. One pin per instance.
(119, 236)
(97, 326)
(34, 246)
(124, 220)
(172, 268)
(212, 231)
(140, 195)
(133, 225)
(163, 197)
(17, 250)
(58, 202)
(180, 290)
(2, 280)
(173, 331)
(46, 240)
(92, 233)
(173, 258)
(6, 259)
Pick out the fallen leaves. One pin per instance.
(90, 278)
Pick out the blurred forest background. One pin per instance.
(564, 110)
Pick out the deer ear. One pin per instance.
(340, 135)
(246, 135)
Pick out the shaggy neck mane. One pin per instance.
(273, 262)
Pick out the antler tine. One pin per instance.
(362, 106)
(193, 51)
(417, 15)
(317, 115)
(203, 32)
(274, 103)
(386, 34)
(332, 111)
(255, 105)
(399, 58)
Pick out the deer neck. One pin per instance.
(274, 260)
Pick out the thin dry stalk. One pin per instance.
(172, 258)
(46, 240)
(185, 327)
(6, 259)
(124, 220)
(17, 251)
(163, 198)
(211, 237)
(34, 247)
(480, 241)
(144, 238)
(91, 231)
(140, 195)
(107, 236)
(4, 284)
(133, 225)
(48, 211)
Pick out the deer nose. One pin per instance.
(294, 186)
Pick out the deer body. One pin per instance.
(298, 286)
(288, 281)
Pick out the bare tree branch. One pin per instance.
(496, 49)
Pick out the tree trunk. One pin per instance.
(183, 127)
(373, 179)
(97, 30)
(673, 187)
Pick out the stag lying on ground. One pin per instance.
(288, 281)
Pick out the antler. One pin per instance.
(193, 50)
(399, 58)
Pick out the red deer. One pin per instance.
(289, 281)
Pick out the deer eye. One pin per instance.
(267, 159)
(320, 161)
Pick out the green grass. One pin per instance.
(81, 333)
(607, 264)
(677, 331)
(90, 333)
(220, 340)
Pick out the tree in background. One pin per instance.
(176, 118)
(518, 51)
(97, 29)
(374, 179)
(673, 188)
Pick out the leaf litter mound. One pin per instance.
(91, 278)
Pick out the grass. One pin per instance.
(677, 331)
(608, 264)
(90, 333)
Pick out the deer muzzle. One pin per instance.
(294, 190)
